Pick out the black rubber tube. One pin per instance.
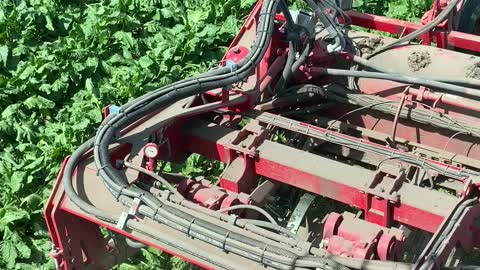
(70, 191)
(287, 70)
(432, 24)
(330, 26)
(403, 79)
(165, 96)
(462, 81)
(301, 59)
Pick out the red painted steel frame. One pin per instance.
(274, 167)
(441, 37)
(72, 231)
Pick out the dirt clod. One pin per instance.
(419, 60)
(474, 71)
(369, 45)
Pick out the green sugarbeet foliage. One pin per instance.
(62, 61)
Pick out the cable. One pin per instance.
(338, 93)
(396, 77)
(432, 24)
(287, 70)
(397, 115)
(336, 34)
(250, 207)
(272, 226)
(461, 81)
(430, 178)
(154, 176)
(451, 138)
(357, 110)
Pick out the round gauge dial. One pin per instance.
(150, 150)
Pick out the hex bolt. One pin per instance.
(236, 49)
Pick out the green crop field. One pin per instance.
(61, 61)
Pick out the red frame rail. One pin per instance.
(443, 38)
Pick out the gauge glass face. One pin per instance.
(151, 151)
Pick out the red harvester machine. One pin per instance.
(342, 149)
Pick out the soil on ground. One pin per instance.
(419, 60)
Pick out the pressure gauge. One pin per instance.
(150, 150)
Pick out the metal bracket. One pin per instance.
(241, 152)
(381, 194)
(132, 212)
(386, 189)
(299, 213)
(239, 142)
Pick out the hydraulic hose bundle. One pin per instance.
(159, 209)
(178, 215)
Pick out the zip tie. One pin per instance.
(225, 240)
(231, 65)
(199, 83)
(295, 262)
(155, 213)
(175, 90)
(232, 219)
(100, 169)
(119, 193)
(190, 227)
(263, 254)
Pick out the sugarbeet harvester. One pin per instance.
(342, 149)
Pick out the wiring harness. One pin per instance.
(177, 213)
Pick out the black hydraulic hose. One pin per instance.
(272, 226)
(330, 26)
(462, 81)
(287, 70)
(354, 263)
(179, 245)
(442, 234)
(402, 78)
(250, 207)
(220, 237)
(286, 12)
(301, 59)
(70, 191)
(347, 20)
(110, 217)
(340, 94)
(428, 27)
(155, 176)
(292, 66)
(170, 94)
